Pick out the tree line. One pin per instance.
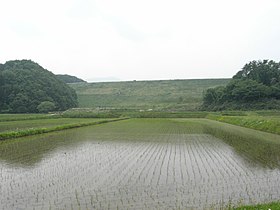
(255, 86)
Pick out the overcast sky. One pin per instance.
(140, 40)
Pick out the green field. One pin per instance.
(15, 117)
(268, 121)
(156, 95)
(11, 128)
(41, 123)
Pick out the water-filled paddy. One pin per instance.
(141, 164)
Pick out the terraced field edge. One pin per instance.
(29, 132)
(266, 124)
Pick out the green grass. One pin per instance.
(263, 123)
(49, 127)
(268, 121)
(272, 206)
(40, 123)
(156, 95)
(114, 113)
(15, 117)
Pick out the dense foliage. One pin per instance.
(24, 85)
(256, 86)
(68, 78)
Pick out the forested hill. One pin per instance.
(25, 86)
(68, 78)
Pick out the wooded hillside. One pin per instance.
(256, 86)
(26, 87)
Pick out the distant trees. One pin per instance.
(24, 85)
(265, 72)
(256, 86)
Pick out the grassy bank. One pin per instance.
(269, 124)
(42, 123)
(34, 131)
(131, 113)
(159, 95)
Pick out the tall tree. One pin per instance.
(266, 72)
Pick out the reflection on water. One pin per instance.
(258, 148)
(140, 164)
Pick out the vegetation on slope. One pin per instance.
(26, 87)
(256, 86)
(68, 78)
(156, 95)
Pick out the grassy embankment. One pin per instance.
(268, 121)
(184, 95)
(13, 129)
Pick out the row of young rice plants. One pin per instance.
(136, 164)
(14, 129)
(40, 123)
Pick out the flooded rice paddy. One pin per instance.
(141, 164)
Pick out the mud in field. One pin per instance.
(148, 164)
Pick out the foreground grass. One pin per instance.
(40, 130)
(272, 206)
